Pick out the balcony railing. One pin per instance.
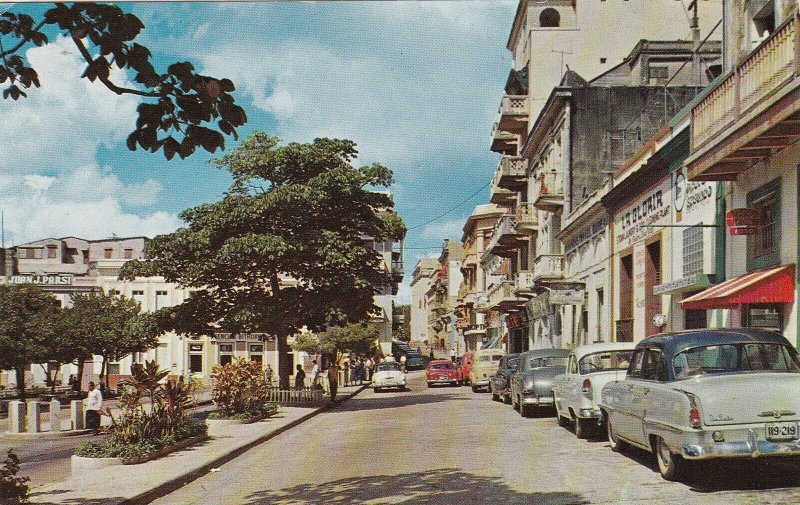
(501, 295)
(548, 267)
(511, 173)
(504, 142)
(549, 191)
(523, 283)
(504, 227)
(764, 71)
(397, 268)
(514, 105)
(527, 218)
(624, 330)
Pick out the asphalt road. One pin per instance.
(451, 446)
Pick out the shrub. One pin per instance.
(13, 489)
(239, 388)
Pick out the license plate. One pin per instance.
(782, 431)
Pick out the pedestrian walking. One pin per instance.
(354, 371)
(453, 355)
(403, 362)
(300, 378)
(268, 375)
(368, 368)
(333, 379)
(346, 369)
(315, 375)
(431, 354)
(94, 402)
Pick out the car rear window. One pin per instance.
(548, 361)
(441, 366)
(735, 358)
(486, 358)
(602, 361)
(388, 367)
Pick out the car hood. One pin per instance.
(387, 375)
(746, 398)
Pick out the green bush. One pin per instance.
(115, 449)
(239, 389)
(13, 489)
(249, 414)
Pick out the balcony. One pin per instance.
(527, 218)
(549, 192)
(751, 113)
(501, 196)
(504, 142)
(397, 270)
(505, 238)
(514, 114)
(501, 297)
(512, 173)
(548, 267)
(523, 284)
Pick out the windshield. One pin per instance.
(548, 361)
(388, 367)
(486, 358)
(735, 358)
(602, 361)
(512, 363)
(441, 366)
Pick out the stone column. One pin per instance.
(33, 417)
(16, 416)
(55, 416)
(76, 414)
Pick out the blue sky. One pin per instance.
(415, 84)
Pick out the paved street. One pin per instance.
(449, 445)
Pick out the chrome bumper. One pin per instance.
(752, 447)
(532, 399)
(388, 384)
(590, 413)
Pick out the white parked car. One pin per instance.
(703, 394)
(389, 375)
(577, 392)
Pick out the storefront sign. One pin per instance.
(538, 306)
(567, 296)
(40, 280)
(243, 336)
(586, 235)
(638, 221)
(743, 221)
(689, 197)
(691, 283)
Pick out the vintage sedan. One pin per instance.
(484, 365)
(442, 371)
(577, 391)
(389, 374)
(705, 394)
(500, 382)
(532, 382)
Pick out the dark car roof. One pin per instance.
(546, 353)
(673, 343)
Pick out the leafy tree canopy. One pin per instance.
(181, 110)
(337, 340)
(289, 245)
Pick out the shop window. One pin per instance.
(196, 358)
(256, 353)
(763, 246)
(695, 319)
(549, 18)
(692, 251)
(767, 316)
(225, 354)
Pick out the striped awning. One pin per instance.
(773, 285)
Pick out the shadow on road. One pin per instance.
(436, 487)
(394, 401)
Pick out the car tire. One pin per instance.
(614, 441)
(474, 389)
(525, 410)
(582, 428)
(670, 466)
(429, 384)
(561, 420)
(495, 397)
(377, 390)
(507, 399)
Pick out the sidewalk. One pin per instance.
(142, 483)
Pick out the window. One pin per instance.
(114, 292)
(225, 354)
(31, 253)
(692, 251)
(161, 293)
(635, 369)
(196, 358)
(603, 60)
(762, 247)
(107, 253)
(113, 368)
(768, 316)
(604, 361)
(654, 368)
(51, 251)
(128, 254)
(257, 353)
(549, 18)
(137, 292)
(658, 72)
(735, 358)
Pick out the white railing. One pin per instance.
(548, 266)
(501, 292)
(527, 216)
(514, 105)
(765, 70)
(512, 166)
(504, 226)
(549, 184)
(524, 281)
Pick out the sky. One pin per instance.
(415, 84)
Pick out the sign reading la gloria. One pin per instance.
(635, 222)
(41, 280)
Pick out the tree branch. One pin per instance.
(110, 85)
(22, 42)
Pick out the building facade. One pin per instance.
(420, 283)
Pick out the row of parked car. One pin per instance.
(691, 395)
(474, 369)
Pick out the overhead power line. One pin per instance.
(451, 209)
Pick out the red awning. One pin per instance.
(773, 285)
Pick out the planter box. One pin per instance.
(83, 468)
(216, 427)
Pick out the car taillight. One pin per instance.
(587, 387)
(694, 418)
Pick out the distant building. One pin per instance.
(420, 283)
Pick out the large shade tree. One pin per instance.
(28, 323)
(287, 246)
(356, 338)
(181, 110)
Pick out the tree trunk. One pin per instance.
(284, 363)
(78, 386)
(21, 382)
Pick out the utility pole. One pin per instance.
(694, 25)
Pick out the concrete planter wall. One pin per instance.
(84, 468)
(216, 427)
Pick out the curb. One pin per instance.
(182, 480)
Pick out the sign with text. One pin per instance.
(538, 306)
(743, 221)
(567, 296)
(242, 336)
(40, 280)
(639, 220)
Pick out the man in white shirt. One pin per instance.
(403, 362)
(94, 402)
(315, 375)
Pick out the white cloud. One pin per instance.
(440, 230)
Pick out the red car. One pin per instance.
(466, 366)
(442, 371)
